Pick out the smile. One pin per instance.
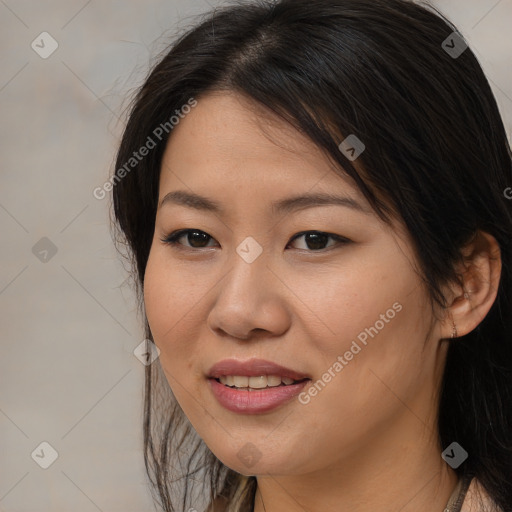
(249, 400)
(258, 382)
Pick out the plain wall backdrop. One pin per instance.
(68, 373)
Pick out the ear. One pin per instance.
(480, 272)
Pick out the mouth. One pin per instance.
(257, 383)
(240, 370)
(254, 386)
(248, 400)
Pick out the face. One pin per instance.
(325, 290)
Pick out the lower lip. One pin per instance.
(254, 402)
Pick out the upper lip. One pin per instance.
(253, 368)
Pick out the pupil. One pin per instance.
(316, 239)
(198, 234)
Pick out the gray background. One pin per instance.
(69, 325)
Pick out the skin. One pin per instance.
(368, 440)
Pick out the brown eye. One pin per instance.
(195, 237)
(317, 240)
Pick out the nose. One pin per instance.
(251, 302)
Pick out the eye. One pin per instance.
(315, 240)
(195, 237)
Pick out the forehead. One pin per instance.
(229, 141)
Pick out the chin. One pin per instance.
(250, 460)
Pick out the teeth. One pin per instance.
(273, 380)
(240, 382)
(259, 382)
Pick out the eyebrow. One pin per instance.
(290, 204)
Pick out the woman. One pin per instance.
(313, 193)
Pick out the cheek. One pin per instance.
(170, 313)
(174, 300)
(166, 304)
(357, 302)
(157, 295)
(365, 391)
(169, 295)
(373, 318)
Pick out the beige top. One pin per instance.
(472, 501)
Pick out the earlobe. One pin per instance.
(480, 273)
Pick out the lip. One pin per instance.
(253, 368)
(257, 401)
(254, 402)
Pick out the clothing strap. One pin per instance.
(457, 498)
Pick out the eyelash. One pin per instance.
(172, 239)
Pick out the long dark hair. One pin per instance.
(437, 156)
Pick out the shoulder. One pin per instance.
(477, 499)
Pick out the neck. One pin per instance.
(403, 473)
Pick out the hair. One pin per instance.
(437, 158)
